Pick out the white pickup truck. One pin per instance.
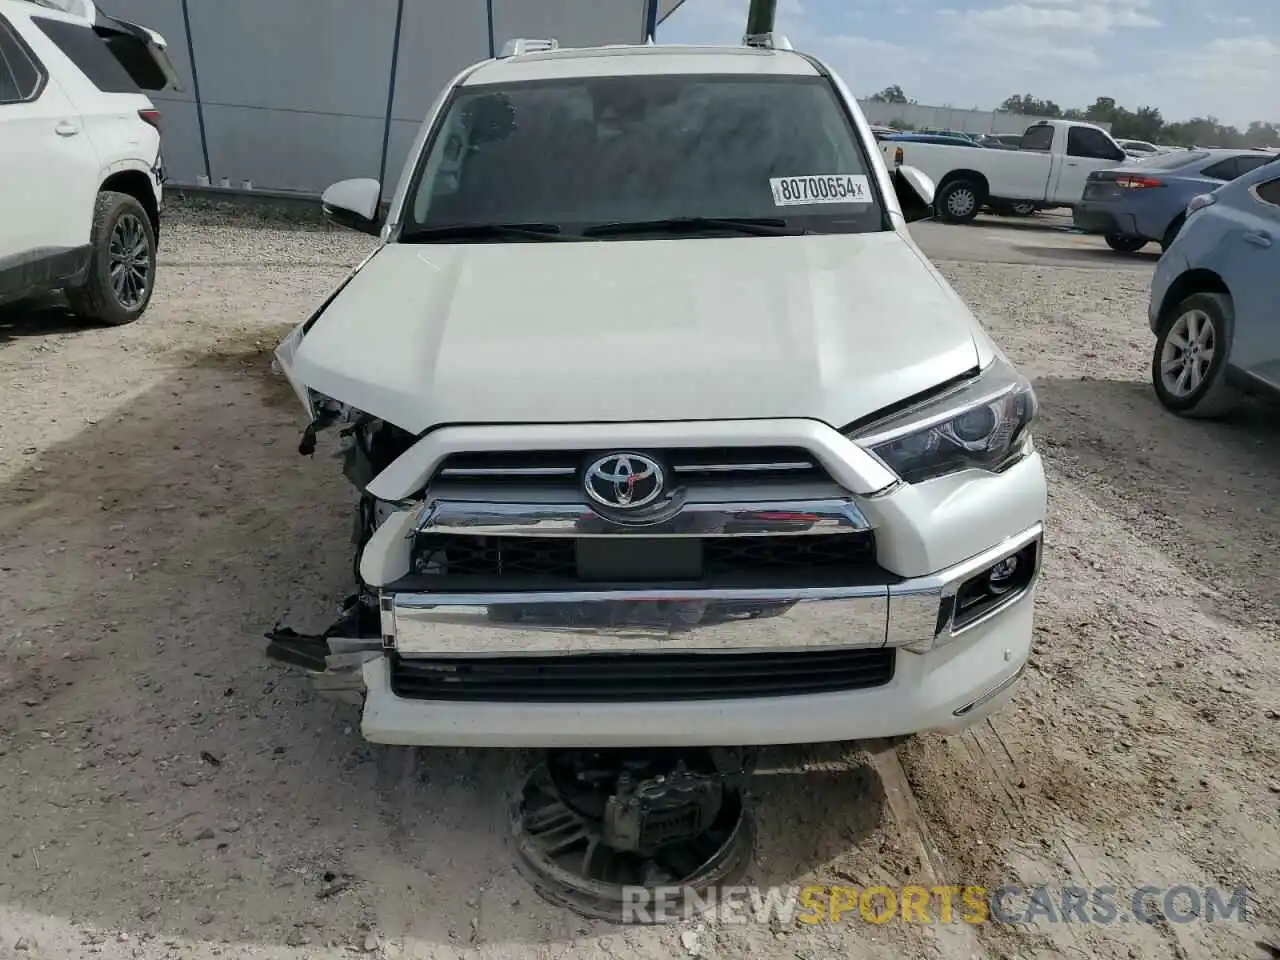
(1050, 169)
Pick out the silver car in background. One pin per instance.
(1215, 300)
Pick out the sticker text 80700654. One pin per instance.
(837, 188)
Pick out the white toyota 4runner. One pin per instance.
(664, 430)
(80, 171)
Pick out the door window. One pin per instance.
(21, 76)
(87, 51)
(1269, 192)
(1092, 144)
(1246, 164)
(1227, 169)
(1234, 167)
(1038, 138)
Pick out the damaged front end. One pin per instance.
(366, 446)
(335, 657)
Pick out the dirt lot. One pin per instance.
(165, 792)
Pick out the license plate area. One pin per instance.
(639, 559)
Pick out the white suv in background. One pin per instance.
(80, 168)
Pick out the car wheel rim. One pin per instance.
(961, 202)
(1187, 354)
(130, 257)
(1023, 208)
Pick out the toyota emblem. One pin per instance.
(624, 481)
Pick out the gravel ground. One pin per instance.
(166, 792)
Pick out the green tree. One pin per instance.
(1102, 111)
(1030, 106)
(1147, 123)
(891, 94)
(1261, 134)
(1143, 124)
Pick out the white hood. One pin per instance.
(830, 328)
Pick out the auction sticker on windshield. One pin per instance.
(801, 191)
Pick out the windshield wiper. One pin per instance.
(756, 227)
(484, 231)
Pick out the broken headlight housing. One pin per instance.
(326, 411)
(982, 424)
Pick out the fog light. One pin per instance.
(994, 586)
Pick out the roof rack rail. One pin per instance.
(519, 47)
(767, 41)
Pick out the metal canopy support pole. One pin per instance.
(195, 92)
(391, 94)
(760, 17)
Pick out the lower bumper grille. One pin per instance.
(597, 678)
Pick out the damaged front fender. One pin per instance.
(286, 354)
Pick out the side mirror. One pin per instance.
(354, 204)
(915, 193)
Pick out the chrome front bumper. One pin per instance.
(910, 613)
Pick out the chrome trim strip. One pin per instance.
(515, 473)
(768, 518)
(509, 472)
(744, 467)
(637, 621)
(426, 601)
(991, 694)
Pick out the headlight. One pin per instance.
(982, 424)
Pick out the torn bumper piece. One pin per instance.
(336, 657)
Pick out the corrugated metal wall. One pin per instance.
(296, 94)
(921, 116)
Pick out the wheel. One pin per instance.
(1125, 244)
(122, 263)
(1172, 233)
(1188, 366)
(959, 201)
(1025, 209)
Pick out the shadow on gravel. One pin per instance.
(39, 318)
(1089, 256)
(1032, 224)
(159, 777)
(1208, 492)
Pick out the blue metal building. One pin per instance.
(293, 95)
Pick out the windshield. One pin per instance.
(579, 153)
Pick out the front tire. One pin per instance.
(1189, 363)
(959, 201)
(1125, 244)
(122, 263)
